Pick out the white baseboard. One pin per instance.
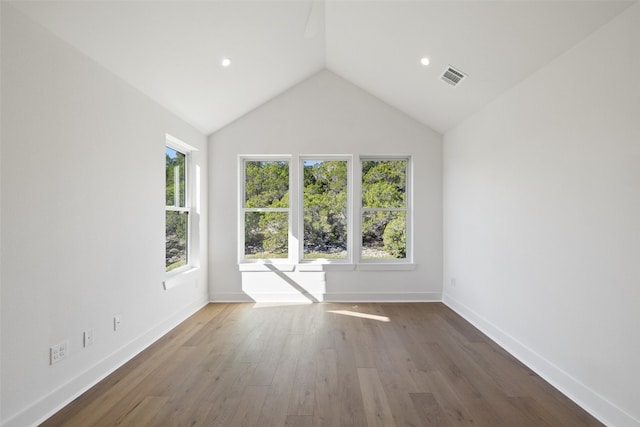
(383, 297)
(44, 408)
(328, 297)
(588, 399)
(230, 297)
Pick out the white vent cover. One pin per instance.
(453, 76)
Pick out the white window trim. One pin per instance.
(317, 266)
(292, 242)
(386, 266)
(176, 278)
(387, 263)
(188, 150)
(300, 190)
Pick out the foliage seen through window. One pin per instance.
(176, 212)
(266, 214)
(325, 202)
(384, 186)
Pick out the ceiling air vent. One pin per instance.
(453, 76)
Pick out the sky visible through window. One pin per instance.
(171, 152)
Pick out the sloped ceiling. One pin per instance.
(172, 51)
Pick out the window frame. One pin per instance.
(182, 148)
(242, 210)
(408, 210)
(295, 256)
(300, 207)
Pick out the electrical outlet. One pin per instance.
(88, 338)
(117, 321)
(58, 352)
(454, 283)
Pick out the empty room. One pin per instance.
(320, 213)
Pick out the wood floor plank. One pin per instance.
(454, 410)
(223, 394)
(407, 329)
(299, 421)
(269, 357)
(143, 413)
(250, 406)
(327, 400)
(395, 367)
(481, 395)
(276, 405)
(562, 408)
(349, 394)
(376, 407)
(538, 414)
(302, 400)
(324, 364)
(429, 410)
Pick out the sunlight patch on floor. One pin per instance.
(280, 304)
(361, 315)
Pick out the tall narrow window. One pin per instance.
(384, 209)
(176, 210)
(266, 210)
(325, 209)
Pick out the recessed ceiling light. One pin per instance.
(424, 61)
(226, 62)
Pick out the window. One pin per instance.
(265, 208)
(176, 209)
(384, 213)
(310, 210)
(325, 210)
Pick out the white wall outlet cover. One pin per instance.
(88, 338)
(58, 352)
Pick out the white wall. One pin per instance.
(326, 115)
(542, 220)
(82, 220)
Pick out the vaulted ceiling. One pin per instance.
(172, 50)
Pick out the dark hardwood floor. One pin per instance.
(323, 365)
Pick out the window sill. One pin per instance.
(250, 267)
(310, 267)
(386, 266)
(325, 267)
(255, 266)
(177, 278)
